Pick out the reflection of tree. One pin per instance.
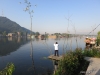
(32, 67)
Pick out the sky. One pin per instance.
(55, 16)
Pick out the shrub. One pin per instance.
(8, 70)
(71, 63)
(92, 53)
(98, 41)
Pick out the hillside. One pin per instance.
(11, 26)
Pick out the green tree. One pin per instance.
(57, 34)
(98, 39)
(33, 33)
(16, 34)
(98, 35)
(21, 33)
(4, 33)
(37, 33)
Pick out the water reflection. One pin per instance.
(55, 65)
(28, 55)
(32, 68)
(8, 45)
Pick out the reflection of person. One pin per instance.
(56, 48)
(55, 65)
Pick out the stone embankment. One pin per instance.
(94, 66)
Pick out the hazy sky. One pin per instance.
(52, 16)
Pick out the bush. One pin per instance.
(71, 64)
(92, 53)
(8, 70)
(98, 41)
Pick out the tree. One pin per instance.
(16, 34)
(37, 33)
(57, 34)
(98, 39)
(98, 35)
(21, 33)
(28, 9)
(4, 33)
(33, 33)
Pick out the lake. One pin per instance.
(34, 62)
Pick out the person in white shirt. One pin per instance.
(56, 48)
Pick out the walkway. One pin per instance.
(94, 66)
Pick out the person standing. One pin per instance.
(56, 48)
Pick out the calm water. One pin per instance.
(33, 62)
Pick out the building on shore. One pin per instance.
(11, 34)
(52, 36)
(17, 34)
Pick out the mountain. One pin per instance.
(11, 26)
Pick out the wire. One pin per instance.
(93, 29)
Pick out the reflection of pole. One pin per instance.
(31, 49)
(33, 67)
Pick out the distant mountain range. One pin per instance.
(11, 26)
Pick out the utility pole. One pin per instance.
(2, 13)
(45, 35)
